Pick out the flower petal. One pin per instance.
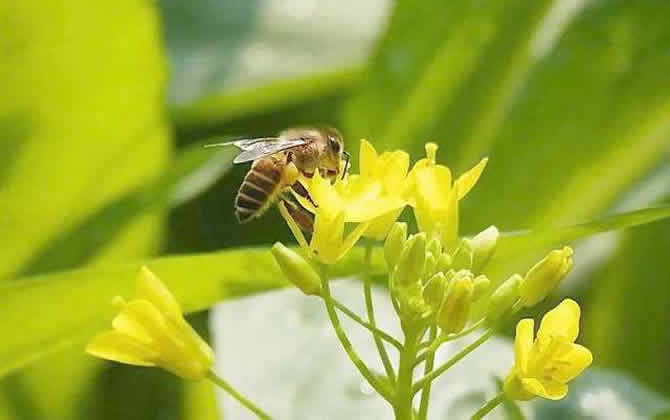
(293, 226)
(352, 238)
(562, 321)
(368, 158)
(151, 288)
(523, 342)
(571, 363)
(468, 180)
(112, 345)
(392, 169)
(550, 390)
(380, 226)
(141, 321)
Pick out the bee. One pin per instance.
(308, 149)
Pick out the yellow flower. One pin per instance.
(435, 199)
(544, 366)
(150, 330)
(376, 195)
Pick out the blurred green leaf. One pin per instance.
(81, 125)
(198, 281)
(627, 319)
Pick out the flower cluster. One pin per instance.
(436, 275)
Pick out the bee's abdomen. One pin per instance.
(258, 190)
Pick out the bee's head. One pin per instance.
(335, 147)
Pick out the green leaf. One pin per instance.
(73, 304)
(80, 124)
(627, 318)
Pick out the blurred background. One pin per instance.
(104, 108)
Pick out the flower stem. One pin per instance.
(367, 288)
(351, 314)
(436, 343)
(455, 359)
(218, 381)
(404, 395)
(486, 408)
(425, 394)
(342, 336)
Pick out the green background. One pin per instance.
(104, 108)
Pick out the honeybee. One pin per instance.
(309, 149)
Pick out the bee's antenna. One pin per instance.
(215, 145)
(347, 157)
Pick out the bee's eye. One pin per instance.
(334, 144)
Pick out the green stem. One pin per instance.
(404, 395)
(357, 319)
(455, 359)
(435, 344)
(486, 408)
(367, 289)
(218, 381)
(425, 394)
(346, 344)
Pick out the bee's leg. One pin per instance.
(299, 189)
(302, 217)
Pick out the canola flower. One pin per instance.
(435, 276)
(545, 364)
(150, 330)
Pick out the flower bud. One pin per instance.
(394, 244)
(434, 246)
(297, 270)
(462, 258)
(445, 262)
(435, 291)
(544, 276)
(454, 313)
(483, 247)
(504, 297)
(430, 266)
(411, 261)
(481, 285)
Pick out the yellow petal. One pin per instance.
(141, 321)
(151, 288)
(550, 390)
(380, 226)
(433, 185)
(293, 226)
(523, 342)
(449, 220)
(112, 345)
(327, 237)
(468, 180)
(368, 156)
(562, 321)
(352, 238)
(571, 363)
(392, 169)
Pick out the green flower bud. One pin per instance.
(444, 262)
(434, 246)
(297, 270)
(481, 284)
(483, 247)
(435, 291)
(544, 276)
(456, 308)
(411, 261)
(430, 266)
(462, 258)
(504, 297)
(394, 244)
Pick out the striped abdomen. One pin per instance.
(258, 191)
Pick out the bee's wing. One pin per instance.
(253, 149)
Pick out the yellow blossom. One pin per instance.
(150, 330)
(376, 195)
(435, 199)
(544, 365)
